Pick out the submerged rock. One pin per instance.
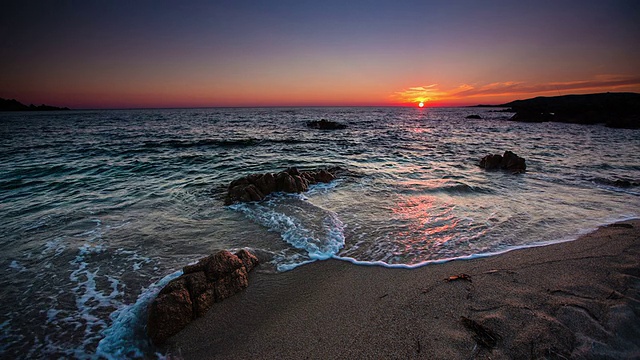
(509, 162)
(474, 116)
(212, 279)
(256, 187)
(325, 125)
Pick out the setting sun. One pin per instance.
(421, 104)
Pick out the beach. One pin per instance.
(577, 299)
(102, 208)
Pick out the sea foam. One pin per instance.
(126, 337)
(316, 231)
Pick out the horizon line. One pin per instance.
(280, 106)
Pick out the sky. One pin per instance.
(147, 54)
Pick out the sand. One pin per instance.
(578, 299)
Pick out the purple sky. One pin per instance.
(90, 54)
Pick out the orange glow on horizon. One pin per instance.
(506, 91)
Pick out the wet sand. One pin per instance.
(578, 299)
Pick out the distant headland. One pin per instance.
(617, 110)
(15, 105)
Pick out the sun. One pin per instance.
(421, 104)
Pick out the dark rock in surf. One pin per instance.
(508, 162)
(491, 162)
(474, 116)
(212, 279)
(512, 162)
(620, 183)
(256, 187)
(325, 125)
(532, 116)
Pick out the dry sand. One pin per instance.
(578, 299)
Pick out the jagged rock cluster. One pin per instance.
(212, 279)
(509, 162)
(256, 187)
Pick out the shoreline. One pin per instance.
(578, 298)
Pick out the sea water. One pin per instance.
(98, 209)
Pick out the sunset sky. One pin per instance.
(131, 54)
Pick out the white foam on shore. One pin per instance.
(126, 337)
(572, 237)
(318, 232)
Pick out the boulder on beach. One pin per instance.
(256, 187)
(212, 279)
(325, 125)
(508, 162)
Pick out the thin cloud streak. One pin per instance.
(513, 88)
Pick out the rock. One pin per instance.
(169, 313)
(509, 162)
(293, 171)
(216, 266)
(14, 105)
(253, 193)
(231, 284)
(491, 162)
(286, 183)
(266, 183)
(621, 183)
(512, 162)
(474, 116)
(619, 110)
(256, 187)
(325, 125)
(248, 259)
(323, 176)
(212, 279)
(201, 292)
(532, 116)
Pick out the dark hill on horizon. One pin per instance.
(15, 105)
(618, 110)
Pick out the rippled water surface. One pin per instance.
(98, 208)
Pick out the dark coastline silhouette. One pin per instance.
(15, 105)
(616, 110)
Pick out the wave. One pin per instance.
(126, 337)
(318, 232)
(453, 188)
(619, 183)
(179, 144)
(464, 189)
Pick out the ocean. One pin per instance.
(99, 209)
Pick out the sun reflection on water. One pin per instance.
(429, 222)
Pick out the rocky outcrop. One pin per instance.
(15, 105)
(325, 125)
(210, 280)
(617, 110)
(256, 187)
(508, 162)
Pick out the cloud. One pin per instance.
(606, 82)
(418, 94)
